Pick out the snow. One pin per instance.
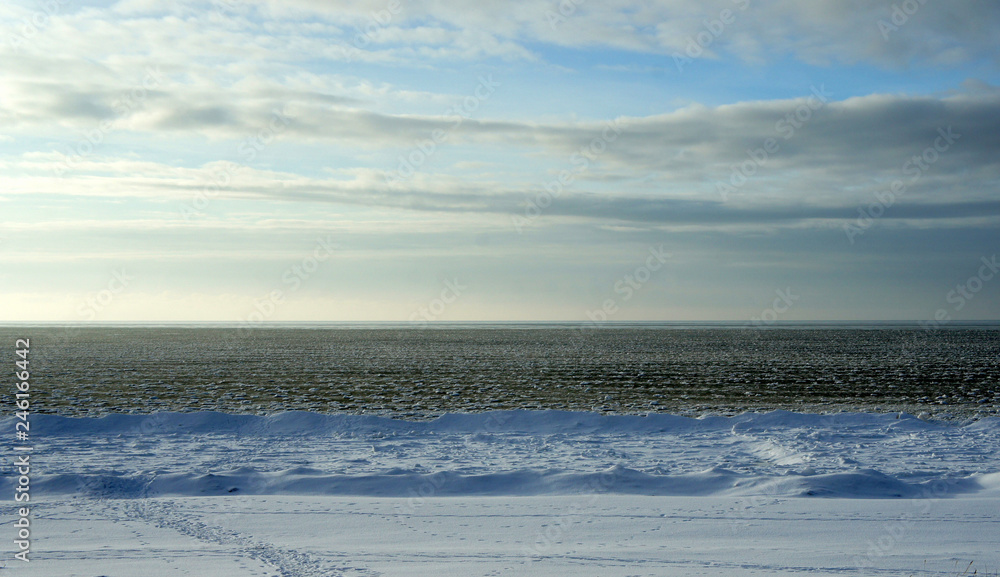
(509, 493)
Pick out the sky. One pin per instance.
(259, 161)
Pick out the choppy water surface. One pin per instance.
(421, 373)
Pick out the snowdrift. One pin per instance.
(508, 453)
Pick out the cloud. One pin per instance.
(876, 132)
(209, 144)
(665, 168)
(819, 32)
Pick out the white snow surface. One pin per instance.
(853, 455)
(508, 493)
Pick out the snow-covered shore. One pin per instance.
(509, 493)
(512, 453)
(584, 536)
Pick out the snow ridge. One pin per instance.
(524, 453)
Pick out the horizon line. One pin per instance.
(922, 323)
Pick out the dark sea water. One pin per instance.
(419, 373)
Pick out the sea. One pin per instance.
(421, 372)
